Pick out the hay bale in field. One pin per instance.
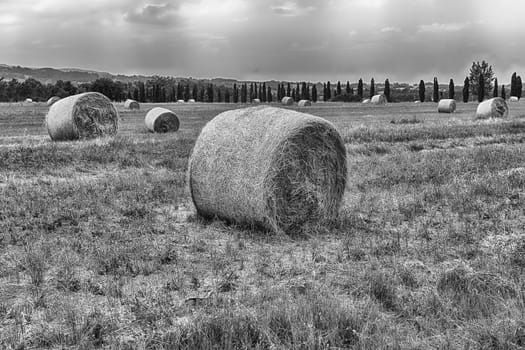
(494, 108)
(180, 101)
(418, 101)
(161, 120)
(131, 104)
(304, 103)
(256, 101)
(268, 167)
(514, 99)
(447, 105)
(366, 101)
(287, 101)
(28, 100)
(86, 115)
(378, 99)
(52, 100)
(191, 100)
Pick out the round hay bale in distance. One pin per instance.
(256, 101)
(514, 99)
(287, 101)
(52, 100)
(494, 108)
(378, 99)
(268, 167)
(191, 100)
(161, 119)
(28, 100)
(87, 115)
(304, 103)
(366, 101)
(131, 104)
(447, 105)
(180, 101)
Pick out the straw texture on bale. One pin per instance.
(366, 101)
(268, 167)
(447, 105)
(304, 103)
(86, 115)
(52, 100)
(378, 99)
(514, 99)
(287, 101)
(161, 120)
(494, 108)
(131, 104)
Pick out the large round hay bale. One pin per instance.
(86, 115)
(268, 167)
(52, 100)
(494, 108)
(378, 99)
(447, 105)
(131, 104)
(287, 101)
(304, 103)
(161, 120)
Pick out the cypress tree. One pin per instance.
(328, 91)
(325, 94)
(294, 94)
(451, 91)
(360, 88)
(421, 91)
(372, 88)
(503, 94)
(288, 90)
(235, 94)
(227, 95)
(314, 93)
(269, 97)
(338, 91)
(495, 88)
(513, 81)
(387, 90)
(466, 90)
(436, 90)
(348, 91)
(194, 92)
(519, 87)
(481, 88)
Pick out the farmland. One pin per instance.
(100, 245)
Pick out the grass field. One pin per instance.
(100, 247)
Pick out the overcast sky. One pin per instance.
(315, 40)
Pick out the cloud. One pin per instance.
(291, 9)
(442, 27)
(164, 14)
(390, 30)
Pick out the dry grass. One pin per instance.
(99, 246)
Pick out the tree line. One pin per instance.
(480, 83)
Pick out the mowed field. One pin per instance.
(100, 246)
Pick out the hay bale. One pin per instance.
(268, 167)
(86, 115)
(52, 100)
(514, 99)
(418, 101)
(378, 99)
(304, 103)
(191, 100)
(180, 101)
(494, 108)
(287, 101)
(161, 120)
(28, 100)
(131, 104)
(447, 105)
(256, 101)
(366, 101)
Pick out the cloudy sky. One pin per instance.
(315, 40)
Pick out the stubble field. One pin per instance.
(100, 246)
